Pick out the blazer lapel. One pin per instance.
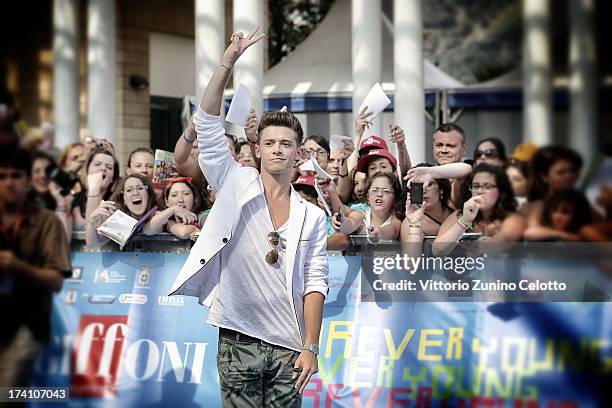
(297, 214)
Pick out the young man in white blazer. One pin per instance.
(260, 262)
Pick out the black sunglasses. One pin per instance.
(488, 153)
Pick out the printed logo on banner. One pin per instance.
(96, 356)
(102, 299)
(133, 298)
(71, 297)
(77, 274)
(109, 276)
(143, 277)
(101, 276)
(171, 301)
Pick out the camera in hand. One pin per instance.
(66, 180)
(416, 193)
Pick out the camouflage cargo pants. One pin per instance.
(254, 373)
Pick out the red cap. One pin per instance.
(304, 181)
(362, 164)
(372, 142)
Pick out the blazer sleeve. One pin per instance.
(316, 267)
(214, 156)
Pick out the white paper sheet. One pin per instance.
(312, 165)
(335, 141)
(239, 108)
(376, 101)
(320, 193)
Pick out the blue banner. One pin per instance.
(118, 340)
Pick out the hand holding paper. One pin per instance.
(376, 101)
(238, 111)
(312, 165)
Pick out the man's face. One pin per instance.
(14, 186)
(277, 149)
(448, 147)
(141, 163)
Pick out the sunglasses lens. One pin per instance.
(274, 238)
(272, 257)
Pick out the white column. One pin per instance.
(209, 41)
(366, 54)
(537, 73)
(101, 68)
(583, 78)
(66, 108)
(408, 73)
(249, 68)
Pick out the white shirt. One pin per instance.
(252, 296)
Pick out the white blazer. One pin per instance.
(306, 264)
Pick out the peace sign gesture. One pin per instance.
(238, 46)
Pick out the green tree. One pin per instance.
(290, 23)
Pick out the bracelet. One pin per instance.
(224, 66)
(251, 143)
(414, 225)
(465, 224)
(190, 141)
(93, 195)
(343, 175)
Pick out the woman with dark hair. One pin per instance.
(183, 202)
(383, 219)
(141, 160)
(317, 147)
(426, 219)
(489, 208)
(136, 197)
(553, 168)
(518, 174)
(491, 151)
(564, 214)
(99, 179)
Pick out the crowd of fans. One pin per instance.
(530, 194)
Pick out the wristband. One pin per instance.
(414, 225)
(226, 67)
(465, 223)
(190, 141)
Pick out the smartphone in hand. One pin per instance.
(416, 193)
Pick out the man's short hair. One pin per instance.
(283, 119)
(16, 158)
(449, 127)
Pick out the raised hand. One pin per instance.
(362, 122)
(239, 44)
(348, 147)
(471, 207)
(419, 175)
(414, 212)
(397, 134)
(251, 126)
(94, 182)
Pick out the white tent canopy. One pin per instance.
(321, 64)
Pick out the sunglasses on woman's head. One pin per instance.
(488, 153)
